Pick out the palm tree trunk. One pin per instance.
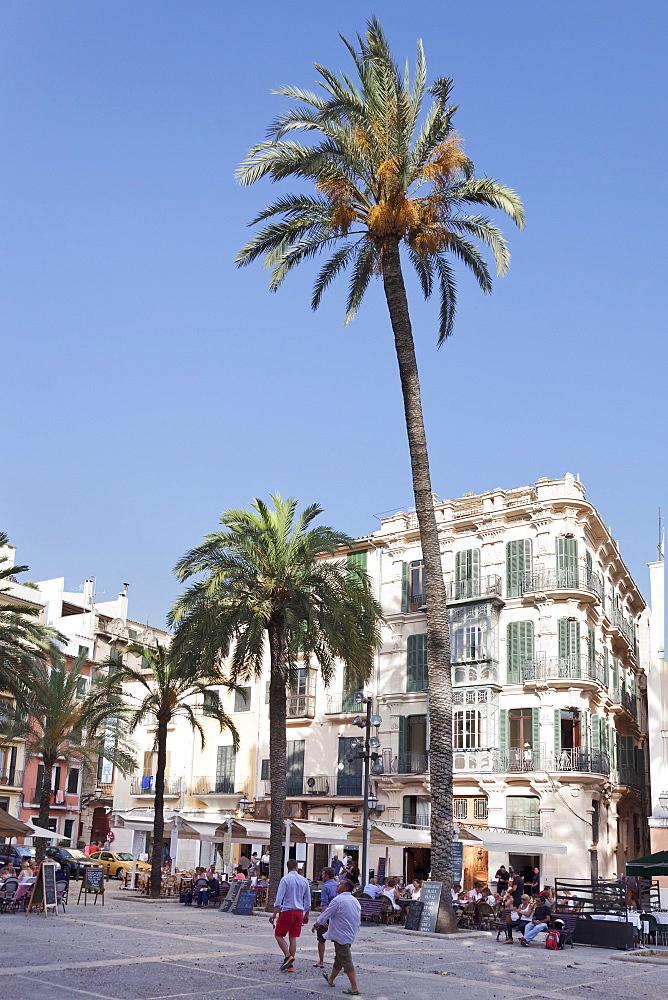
(44, 807)
(438, 626)
(277, 764)
(159, 808)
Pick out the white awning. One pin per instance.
(397, 836)
(40, 831)
(516, 842)
(319, 833)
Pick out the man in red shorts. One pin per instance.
(292, 906)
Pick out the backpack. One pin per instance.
(553, 941)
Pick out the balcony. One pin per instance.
(486, 672)
(320, 785)
(145, 786)
(627, 775)
(514, 761)
(405, 763)
(11, 779)
(583, 667)
(300, 706)
(620, 696)
(621, 624)
(344, 704)
(468, 590)
(543, 579)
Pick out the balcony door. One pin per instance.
(294, 767)
(349, 775)
(225, 765)
(412, 744)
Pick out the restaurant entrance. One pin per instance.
(524, 865)
(417, 863)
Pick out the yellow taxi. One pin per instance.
(116, 863)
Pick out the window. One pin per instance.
(520, 728)
(417, 677)
(211, 701)
(520, 648)
(416, 810)
(82, 685)
(349, 776)
(225, 765)
(294, 767)
(522, 813)
(242, 699)
(51, 824)
(595, 819)
(412, 745)
(132, 634)
(82, 651)
(73, 781)
(518, 563)
(264, 770)
(459, 808)
(468, 643)
(480, 808)
(356, 565)
(567, 562)
(413, 586)
(569, 647)
(68, 828)
(467, 729)
(467, 574)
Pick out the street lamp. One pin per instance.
(243, 804)
(365, 749)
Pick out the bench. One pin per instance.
(569, 920)
(501, 923)
(372, 909)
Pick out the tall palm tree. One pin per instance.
(21, 633)
(387, 178)
(265, 584)
(165, 686)
(67, 720)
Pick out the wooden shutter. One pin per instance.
(294, 767)
(503, 729)
(535, 728)
(557, 732)
(595, 734)
(591, 650)
(585, 726)
(408, 808)
(520, 642)
(606, 667)
(518, 562)
(405, 586)
(356, 563)
(416, 662)
(615, 672)
(403, 734)
(148, 763)
(569, 638)
(567, 558)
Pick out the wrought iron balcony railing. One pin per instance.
(579, 577)
(405, 763)
(465, 590)
(344, 704)
(219, 785)
(12, 779)
(320, 784)
(528, 760)
(627, 775)
(620, 696)
(583, 667)
(145, 785)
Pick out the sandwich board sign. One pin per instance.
(430, 896)
(228, 905)
(44, 893)
(92, 882)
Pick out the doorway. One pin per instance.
(524, 865)
(417, 863)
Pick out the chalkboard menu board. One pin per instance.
(93, 881)
(381, 870)
(228, 905)
(43, 893)
(430, 897)
(414, 916)
(245, 901)
(457, 862)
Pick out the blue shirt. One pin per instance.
(294, 893)
(328, 892)
(337, 866)
(372, 890)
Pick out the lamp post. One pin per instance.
(366, 750)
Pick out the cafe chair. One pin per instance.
(7, 894)
(61, 894)
(485, 916)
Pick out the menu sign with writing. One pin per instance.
(44, 895)
(245, 902)
(414, 915)
(430, 896)
(93, 881)
(229, 903)
(457, 862)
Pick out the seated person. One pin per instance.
(200, 887)
(415, 889)
(7, 871)
(539, 920)
(390, 890)
(372, 888)
(519, 917)
(240, 873)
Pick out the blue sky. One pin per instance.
(149, 385)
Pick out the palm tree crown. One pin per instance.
(266, 586)
(383, 171)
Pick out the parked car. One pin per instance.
(70, 860)
(114, 863)
(12, 854)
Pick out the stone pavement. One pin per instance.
(135, 950)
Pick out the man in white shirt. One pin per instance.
(293, 902)
(343, 915)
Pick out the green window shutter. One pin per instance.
(403, 733)
(591, 649)
(557, 732)
(518, 562)
(606, 667)
(356, 563)
(520, 641)
(405, 586)
(417, 678)
(503, 729)
(585, 726)
(569, 639)
(408, 810)
(595, 734)
(567, 561)
(467, 572)
(615, 672)
(535, 728)
(474, 565)
(612, 745)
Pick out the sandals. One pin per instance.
(325, 976)
(352, 993)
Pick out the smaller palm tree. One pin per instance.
(165, 686)
(21, 633)
(266, 586)
(66, 721)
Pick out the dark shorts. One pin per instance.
(320, 933)
(342, 958)
(289, 922)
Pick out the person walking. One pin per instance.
(343, 917)
(327, 894)
(293, 903)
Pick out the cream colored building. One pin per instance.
(549, 638)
